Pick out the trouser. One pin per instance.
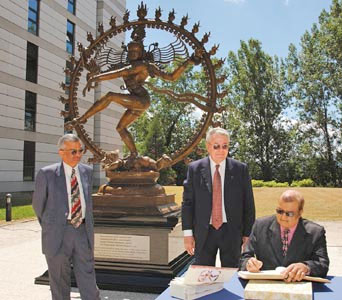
(75, 250)
(227, 240)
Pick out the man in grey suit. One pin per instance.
(218, 206)
(63, 204)
(287, 240)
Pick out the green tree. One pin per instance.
(313, 88)
(256, 103)
(331, 41)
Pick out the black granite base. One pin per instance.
(147, 280)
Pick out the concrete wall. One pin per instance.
(52, 56)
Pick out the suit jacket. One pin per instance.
(197, 200)
(308, 245)
(50, 203)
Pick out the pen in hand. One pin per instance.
(253, 264)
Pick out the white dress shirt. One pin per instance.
(222, 171)
(67, 172)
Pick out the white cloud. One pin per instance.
(235, 1)
(286, 2)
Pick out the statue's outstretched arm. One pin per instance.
(176, 73)
(124, 72)
(187, 97)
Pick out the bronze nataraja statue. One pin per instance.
(136, 102)
(135, 65)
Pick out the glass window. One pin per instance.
(72, 6)
(29, 160)
(32, 62)
(70, 37)
(33, 16)
(30, 111)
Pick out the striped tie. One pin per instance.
(285, 241)
(76, 209)
(216, 214)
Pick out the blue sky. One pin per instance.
(276, 23)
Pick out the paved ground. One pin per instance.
(21, 261)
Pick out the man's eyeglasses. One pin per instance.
(217, 147)
(286, 213)
(74, 151)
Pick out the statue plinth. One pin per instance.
(138, 236)
(132, 194)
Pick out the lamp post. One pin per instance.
(8, 207)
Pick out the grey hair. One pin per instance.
(69, 137)
(292, 196)
(216, 130)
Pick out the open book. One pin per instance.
(276, 275)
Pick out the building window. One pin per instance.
(30, 111)
(29, 160)
(72, 6)
(33, 16)
(32, 63)
(70, 38)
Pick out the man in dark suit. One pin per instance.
(218, 205)
(63, 204)
(287, 240)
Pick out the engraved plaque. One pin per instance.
(119, 246)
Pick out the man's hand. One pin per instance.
(295, 272)
(189, 244)
(253, 265)
(244, 243)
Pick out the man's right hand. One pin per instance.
(253, 265)
(189, 244)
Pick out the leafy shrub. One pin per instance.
(257, 183)
(275, 184)
(303, 183)
(261, 183)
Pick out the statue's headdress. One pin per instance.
(113, 59)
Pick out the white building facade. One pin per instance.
(37, 38)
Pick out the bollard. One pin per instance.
(8, 207)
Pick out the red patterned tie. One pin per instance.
(285, 241)
(216, 214)
(76, 209)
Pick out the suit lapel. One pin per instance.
(206, 174)
(227, 178)
(61, 183)
(275, 240)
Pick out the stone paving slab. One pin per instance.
(21, 261)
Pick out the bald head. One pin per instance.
(293, 196)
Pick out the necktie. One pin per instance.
(216, 214)
(76, 210)
(285, 241)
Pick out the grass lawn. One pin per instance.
(18, 212)
(320, 203)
